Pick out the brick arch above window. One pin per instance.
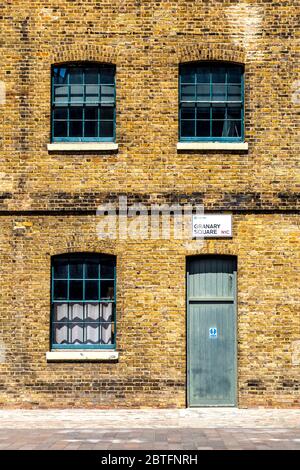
(84, 53)
(211, 52)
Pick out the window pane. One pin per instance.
(76, 93)
(203, 112)
(107, 271)
(92, 270)
(188, 93)
(60, 334)
(60, 129)
(92, 94)
(76, 76)
(106, 129)
(234, 93)
(76, 312)
(203, 75)
(218, 112)
(60, 113)
(76, 270)
(92, 334)
(61, 312)
(218, 75)
(60, 290)
(234, 112)
(107, 289)
(107, 93)
(61, 270)
(91, 112)
(75, 129)
(218, 92)
(91, 129)
(60, 75)
(61, 94)
(187, 128)
(187, 111)
(76, 334)
(234, 129)
(187, 74)
(107, 312)
(107, 334)
(203, 93)
(91, 290)
(92, 89)
(107, 75)
(76, 290)
(61, 100)
(234, 74)
(61, 90)
(75, 112)
(91, 76)
(107, 112)
(203, 128)
(219, 129)
(92, 311)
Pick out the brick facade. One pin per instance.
(48, 199)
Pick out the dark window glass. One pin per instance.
(76, 290)
(203, 128)
(107, 112)
(91, 128)
(60, 128)
(188, 128)
(76, 112)
(203, 75)
(61, 271)
(218, 112)
(91, 112)
(76, 129)
(203, 112)
(219, 128)
(76, 270)
(107, 289)
(106, 128)
(61, 113)
(60, 290)
(91, 76)
(107, 76)
(91, 290)
(92, 270)
(187, 111)
(188, 75)
(107, 270)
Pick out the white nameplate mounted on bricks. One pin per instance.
(212, 226)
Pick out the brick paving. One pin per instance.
(191, 429)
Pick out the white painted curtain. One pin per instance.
(91, 323)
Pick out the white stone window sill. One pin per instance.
(64, 356)
(212, 146)
(81, 146)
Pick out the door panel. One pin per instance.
(211, 331)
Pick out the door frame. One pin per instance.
(189, 258)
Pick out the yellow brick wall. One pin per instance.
(39, 192)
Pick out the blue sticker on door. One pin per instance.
(213, 332)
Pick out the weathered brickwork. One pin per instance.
(48, 199)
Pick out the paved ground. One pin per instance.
(192, 429)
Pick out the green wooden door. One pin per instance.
(211, 305)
